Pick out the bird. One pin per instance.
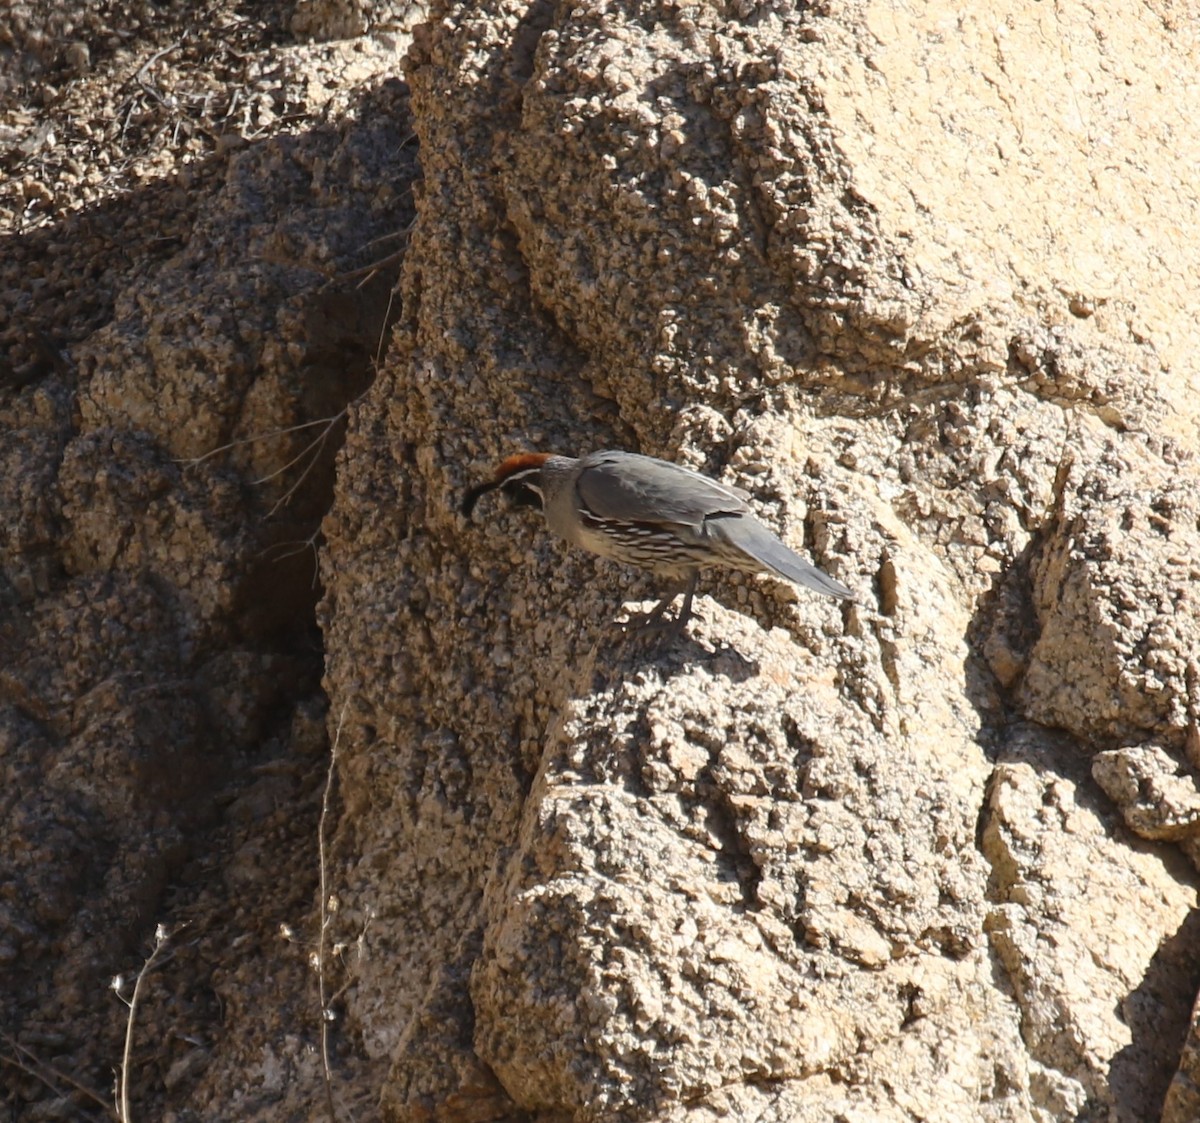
(652, 514)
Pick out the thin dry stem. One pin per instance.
(160, 942)
(25, 1060)
(313, 447)
(260, 437)
(323, 867)
(294, 547)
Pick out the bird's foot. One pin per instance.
(656, 623)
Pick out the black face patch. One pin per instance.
(522, 494)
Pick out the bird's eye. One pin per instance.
(522, 495)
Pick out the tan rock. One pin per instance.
(921, 280)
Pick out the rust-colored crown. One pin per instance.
(520, 462)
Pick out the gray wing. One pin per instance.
(633, 488)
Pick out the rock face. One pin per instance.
(817, 861)
(162, 740)
(922, 283)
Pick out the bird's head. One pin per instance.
(519, 477)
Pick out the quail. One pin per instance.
(652, 514)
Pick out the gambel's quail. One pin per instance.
(653, 514)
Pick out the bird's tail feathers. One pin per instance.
(752, 538)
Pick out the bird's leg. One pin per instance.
(652, 620)
(644, 622)
(655, 615)
(685, 611)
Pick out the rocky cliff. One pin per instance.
(428, 835)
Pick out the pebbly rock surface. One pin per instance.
(428, 835)
(195, 278)
(819, 862)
